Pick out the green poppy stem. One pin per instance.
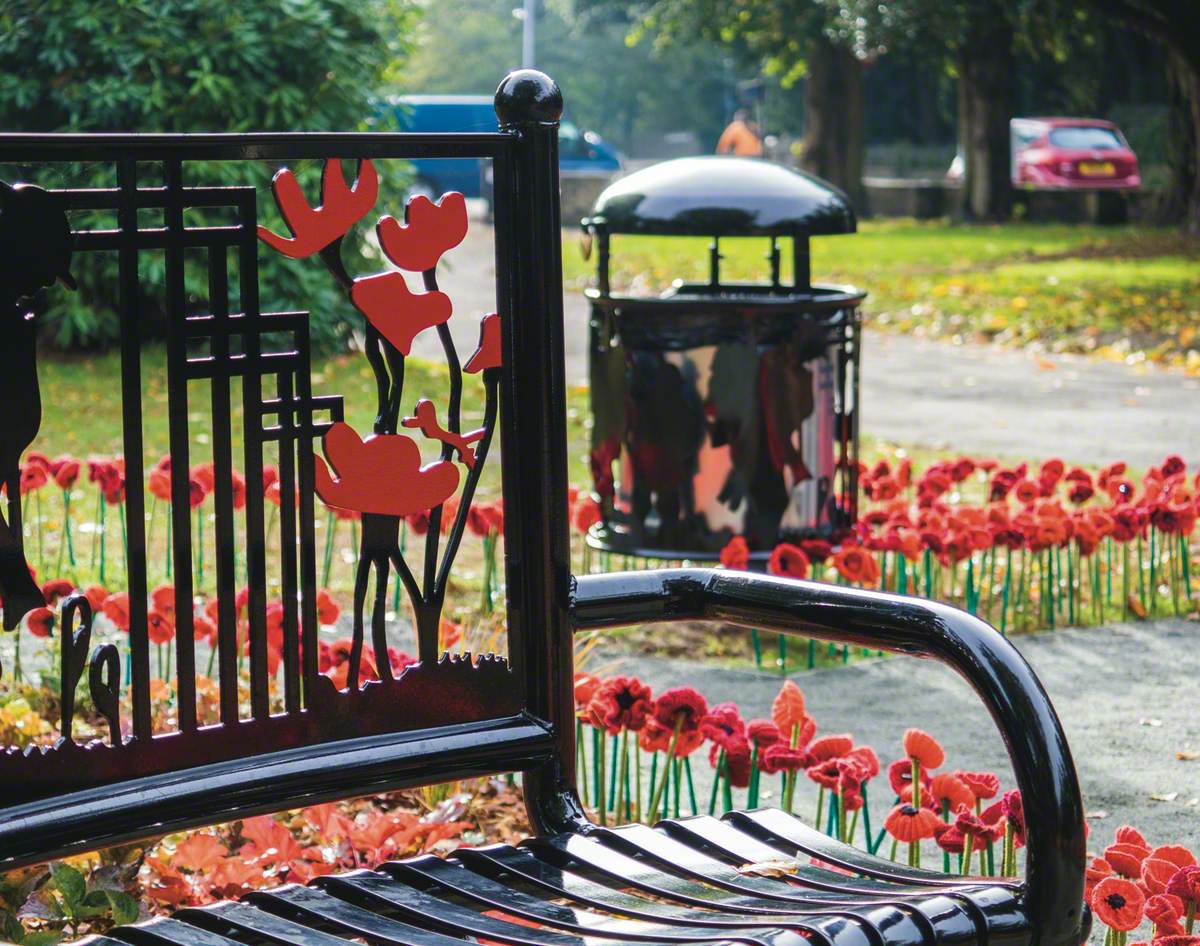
(687, 770)
(712, 799)
(656, 796)
(327, 555)
(102, 537)
(757, 648)
(581, 761)
(601, 807)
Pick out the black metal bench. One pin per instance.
(449, 719)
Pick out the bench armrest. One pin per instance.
(1037, 746)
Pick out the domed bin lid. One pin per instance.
(721, 196)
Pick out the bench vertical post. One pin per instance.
(534, 441)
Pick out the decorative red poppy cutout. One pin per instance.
(487, 355)
(382, 474)
(430, 230)
(426, 420)
(399, 314)
(314, 228)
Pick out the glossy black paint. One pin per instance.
(678, 882)
(1005, 683)
(721, 196)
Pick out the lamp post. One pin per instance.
(527, 14)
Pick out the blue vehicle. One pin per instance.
(580, 152)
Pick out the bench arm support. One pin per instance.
(1037, 746)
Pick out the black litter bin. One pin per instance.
(723, 408)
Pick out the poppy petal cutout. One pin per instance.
(399, 314)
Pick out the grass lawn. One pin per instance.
(1119, 292)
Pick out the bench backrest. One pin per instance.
(236, 372)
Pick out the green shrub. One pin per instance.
(189, 66)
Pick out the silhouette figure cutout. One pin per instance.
(35, 250)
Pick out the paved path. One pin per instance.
(1126, 695)
(970, 398)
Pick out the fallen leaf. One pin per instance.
(1187, 755)
(1169, 796)
(1136, 606)
(1097, 815)
(1146, 721)
(1044, 364)
(783, 867)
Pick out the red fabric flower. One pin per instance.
(57, 588)
(586, 685)
(788, 561)
(95, 595)
(983, 785)
(657, 738)
(1185, 884)
(764, 732)
(831, 747)
(203, 629)
(1118, 903)
(1014, 810)
(900, 776)
(737, 760)
(736, 554)
(621, 703)
(1165, 912)
(587, 513)
(40, 622)
(908, 824)
(116, 609)
(949, 793)
(723, 724)
(160, 627)
(817, 550)
(327, 607)
(66, 472)
(1155, 874)
(787, 710)
(682, 706)
(1176, 854)
(781, 757)
(856, 564)
(1096, 871)
(922, 747)
(867, 758)
(1126, 859)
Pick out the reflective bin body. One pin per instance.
(722, 409)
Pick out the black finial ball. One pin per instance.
(525, 96)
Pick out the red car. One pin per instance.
(1072, 153)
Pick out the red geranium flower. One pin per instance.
(736, 554)
(788, 561)
(1118, 903)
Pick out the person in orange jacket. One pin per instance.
(740, 137)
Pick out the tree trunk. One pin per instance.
(1182, 200)
(832, 147)
(985, 95)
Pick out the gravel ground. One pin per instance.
(1126, 695)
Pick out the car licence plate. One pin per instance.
(1096, 168)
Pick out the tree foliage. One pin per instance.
(190, 66)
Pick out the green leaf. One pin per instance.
(124, 907)
(70, 883)
(10, 927)
(41, 938)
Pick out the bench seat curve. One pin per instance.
(283, 734)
